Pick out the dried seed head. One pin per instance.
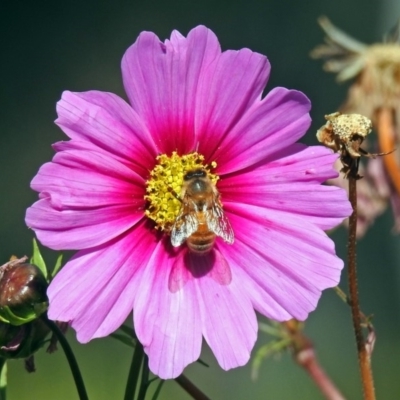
(346, 126)
(342, 129)
(344, 133)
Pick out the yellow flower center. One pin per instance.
(165, 186)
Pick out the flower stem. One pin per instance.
(134, 372)
(73, 365)
(363, 356)
(190, 388)
(144, 384)
(304, 355)
(386, 138)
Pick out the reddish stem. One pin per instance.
(304, 355)
(363, 355)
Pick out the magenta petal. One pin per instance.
(286, 256)
(74, 229)
(228, 320)
(161, 82)
(227, 89)
(88, 179)
(96, 289)
(292, 183)
(108, 122)
(167, 324)
(271, 125)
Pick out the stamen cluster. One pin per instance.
(165, 185)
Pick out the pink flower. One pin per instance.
(187, 98)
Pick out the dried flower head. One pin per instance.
(375, 67)
(374, 93)
(344, 133)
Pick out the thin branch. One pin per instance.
(363, 355)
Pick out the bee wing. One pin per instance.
(184, 226)
(218, 223)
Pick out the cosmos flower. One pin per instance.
(116, 190)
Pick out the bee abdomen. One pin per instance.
(201, 243)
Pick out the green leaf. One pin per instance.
(37, 259)
(274, 330)
(7, 316)
(3, 378)
(57, 266)
(272, 347)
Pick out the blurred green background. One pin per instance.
(50, 46)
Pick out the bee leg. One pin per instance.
(176, 195)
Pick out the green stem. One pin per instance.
(144, 384)
(73, 365)
(190, 388)
(3, 378)
(134, 371)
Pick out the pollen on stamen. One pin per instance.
(165, 185)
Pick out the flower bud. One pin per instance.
(22, 341)
(22, 293)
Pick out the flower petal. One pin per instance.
(289, 259)
(161, 82)
(166, 323)
(292, 183)
(83, 179)
(228, 320)
(227, 89)
(96, 289)
(71, 229)
(271, 125)
(108, 122)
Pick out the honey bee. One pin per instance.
(201, 218)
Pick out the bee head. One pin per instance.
(196, 173)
